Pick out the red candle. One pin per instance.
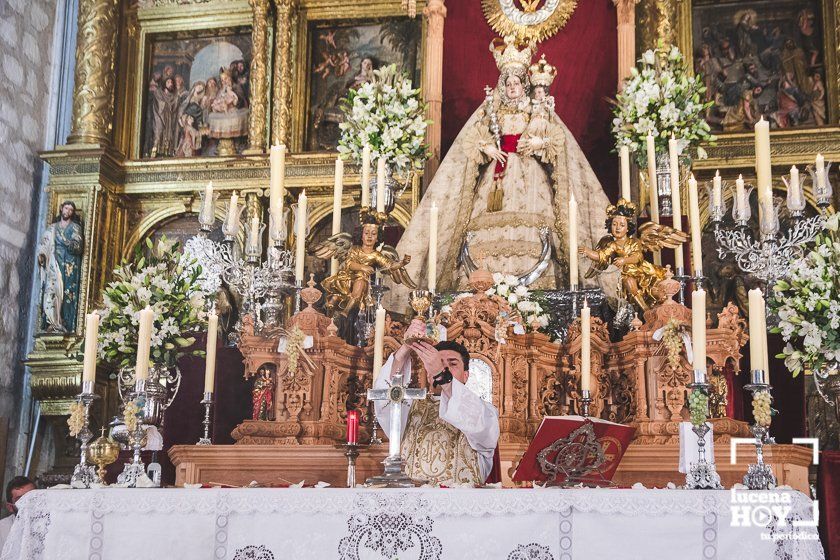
(352, 426)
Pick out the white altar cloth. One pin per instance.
(426, 524)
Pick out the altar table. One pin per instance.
(422, 523)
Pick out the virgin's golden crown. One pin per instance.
(542, 73)
(509, 54)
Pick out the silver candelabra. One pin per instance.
(84, 474)
(207, 401)
(759, 474)
(771, 255)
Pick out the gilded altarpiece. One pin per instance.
(123, 197)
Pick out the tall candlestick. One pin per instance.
(758, 330)
(336, 216)
(277, 159)
(378, 341)
(573, 243)
(255, 230)
(144, 344)
(210, 358)
(698, 329)
(585, 347)
(433, 242)
(717, 190)
(654, 188)
(300, 234)
(624, 156)
(233, 213)
(380, 185)
(366, 176)
(763, 173)
(91, 346)
(741, 201)
(675, 197)
(694, 224)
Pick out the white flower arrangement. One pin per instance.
(808, 304)
(661, 98)
(388, 115)
(520, 299)
(165, 280)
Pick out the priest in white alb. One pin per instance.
(450, 437)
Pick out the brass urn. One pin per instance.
(102, 452)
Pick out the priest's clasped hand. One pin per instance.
(435, 359)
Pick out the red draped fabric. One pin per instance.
(507, 143)
(584, 52)
(829, 496)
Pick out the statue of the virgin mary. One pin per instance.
(507, 177)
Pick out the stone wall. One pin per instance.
(26, 50)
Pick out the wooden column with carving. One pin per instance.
(281, 114)
(259, 77)
(626, 28)
(435, 13)
(93, 95)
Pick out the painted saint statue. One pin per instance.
(60, 264)
(504, 186)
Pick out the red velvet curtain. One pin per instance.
(584, 52)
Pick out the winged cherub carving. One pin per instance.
(348, 289)
(624, 247)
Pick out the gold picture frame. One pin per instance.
(789, 146)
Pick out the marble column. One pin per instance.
(435, 13)
(281, 113)
(93, 95)
(259, 77)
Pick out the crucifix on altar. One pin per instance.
(396, 395)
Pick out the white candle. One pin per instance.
(207, 203)
(338, 192)
(210, 360)
(300, 241)
(694, 224)
(144, 344)
(624, 156)
(366, 176)
(717, 190)
(233, 214)
(433, 241)
(763, 173)
(255, 230)
(380, 185)
(277, 159)
(741, 202)
(654, 188)
(585, 347)
(378, 341)
(676, 204)
(573, 243)
(91, 346)
(820, 173)
(758, 330)
(698, 329)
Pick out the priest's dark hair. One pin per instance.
(14, 484)
(457, 347)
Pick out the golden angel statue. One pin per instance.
(349, 288)
(502, 190)
(624, 247)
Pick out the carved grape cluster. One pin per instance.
(698, 406)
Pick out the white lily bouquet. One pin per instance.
(388, 115)
(165, 280)
(661, 98)
(521, 300)
(808, 305)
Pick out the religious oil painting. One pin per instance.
(761, 59)
(343, 57)
(196, 94)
